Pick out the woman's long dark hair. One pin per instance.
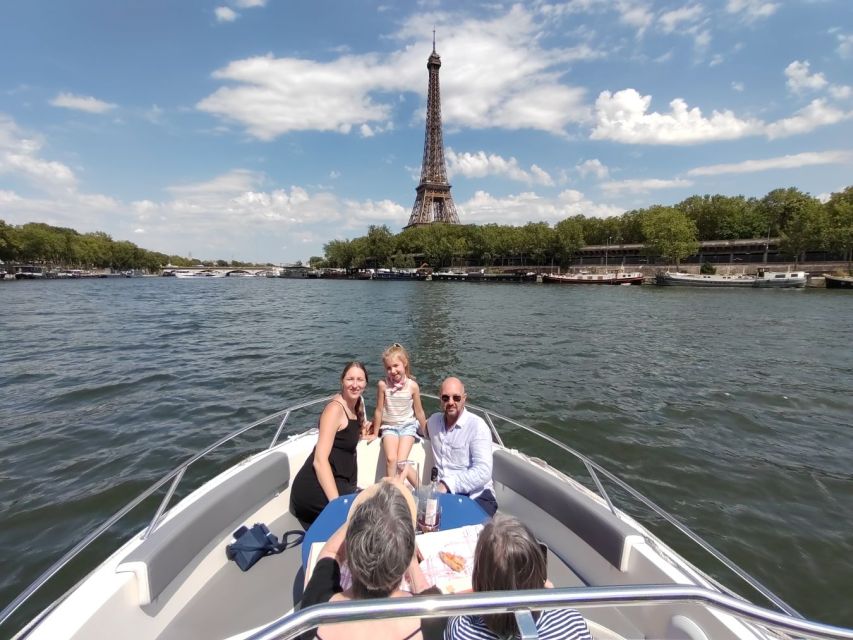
(507, 558)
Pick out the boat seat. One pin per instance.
(611, 538)
(233, 601)
(177, 541)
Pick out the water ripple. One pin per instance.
(731, 409)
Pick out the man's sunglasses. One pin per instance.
(446, 398)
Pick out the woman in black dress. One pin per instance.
(331, 470)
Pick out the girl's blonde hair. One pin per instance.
(399, 351)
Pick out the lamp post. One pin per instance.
(606, 248)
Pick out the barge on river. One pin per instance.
(585, 277)
(764, 279)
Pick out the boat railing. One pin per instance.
(177, 474)
(595, 470)
(521, 603)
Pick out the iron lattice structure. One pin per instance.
(433, 202)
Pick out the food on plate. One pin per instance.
(452, 560)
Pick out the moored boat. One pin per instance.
(764, 279)
(681, 279)
(173, 579)
(29, 272)
(783, 279)
(838, 282)
(585, 277)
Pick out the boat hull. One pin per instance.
(595, 278)
(175, 581)
(765, 280)
(839, 282)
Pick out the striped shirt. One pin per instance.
(399, 408)
(557, 624)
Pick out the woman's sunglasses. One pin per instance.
(446, 398)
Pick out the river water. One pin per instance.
(732, 409)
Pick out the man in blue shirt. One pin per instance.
(462, 448)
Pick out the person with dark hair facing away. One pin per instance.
(508, 558)
(332, 469)
(378, 545)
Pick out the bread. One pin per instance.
(455, 562)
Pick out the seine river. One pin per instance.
(732, 409)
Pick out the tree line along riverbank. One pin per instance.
(789, 222)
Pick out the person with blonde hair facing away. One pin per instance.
(378, 545)
(508, 558)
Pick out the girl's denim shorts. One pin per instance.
(407, 429)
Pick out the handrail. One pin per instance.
(590, 464)
(177, 473)
(292, 624)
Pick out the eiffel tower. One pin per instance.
(433, 202)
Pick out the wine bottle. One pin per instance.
(431, 511)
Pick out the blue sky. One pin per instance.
(261, 129)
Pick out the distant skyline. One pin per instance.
(258, 130)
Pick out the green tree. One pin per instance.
(538, 241)
(839, 210)
(805, 228)
(570, 239)
(778, 206)
(9, 242)
(316, 262)
(339, 253)
(670, 233)
(379, 244)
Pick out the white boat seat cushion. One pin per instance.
(176, 542)
(592, 522)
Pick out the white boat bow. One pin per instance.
(173, 580)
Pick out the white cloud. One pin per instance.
(20, 155)
(816, 114)
(593, 167)
(623, 117)
(800, 79)
(273, 96)
(495, 75)
(840, 92)
(688, 14)
(845, 45)
(634, 14)
(521, 208)
(249, 4)
(702, 40)
(738, 86)
(642, 186)
(154, 115)
(794, 161)
(225, 14)
(480, 165)
(752, 9)
(82, 103)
